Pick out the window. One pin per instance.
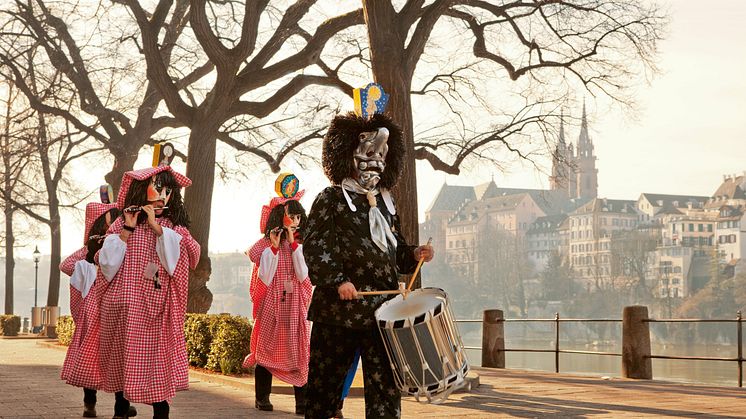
(700, 227)
(691, 227)
(450, 244)
(709, 228)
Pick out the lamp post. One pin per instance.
(37, 257)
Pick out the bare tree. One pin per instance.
(532, 55)
(246, 59)
(630, 262)
(15, 158)
(55, 143)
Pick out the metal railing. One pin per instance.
(739, 342)
(646, 354)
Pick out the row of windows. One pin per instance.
(588, 247)
(458, 243)
(621, 222)
(730, 238)
(588, 260)
(695, 241)
(729, 224)
(700, 227)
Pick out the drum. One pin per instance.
(423, 344)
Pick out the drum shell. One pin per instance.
(425, 350)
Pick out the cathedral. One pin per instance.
(574, 170)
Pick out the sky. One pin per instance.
(689, 130)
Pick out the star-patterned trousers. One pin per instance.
(332, 352)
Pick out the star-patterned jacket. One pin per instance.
(338, 248)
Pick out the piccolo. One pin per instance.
(135, 209)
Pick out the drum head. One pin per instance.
(418, 302)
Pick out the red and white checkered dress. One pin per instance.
(142, 350)
(81, 362)
(280, 339)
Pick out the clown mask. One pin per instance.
(370, 157)
(291, 221)
(158, 194)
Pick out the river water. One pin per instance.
(723, 373)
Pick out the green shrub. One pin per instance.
(230, 344)
(198, 334)
(10, 325)
(65, 329)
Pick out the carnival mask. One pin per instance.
(370, 157)
(158, 194)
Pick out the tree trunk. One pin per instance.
(124, 161)
(53, 296)
(387, 58)
(10, 262)
(198, 201)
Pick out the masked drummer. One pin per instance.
(354, 244)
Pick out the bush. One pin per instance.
(65, 329)
(10, 325)
(218, 342)
(198, 334)
(230, 344)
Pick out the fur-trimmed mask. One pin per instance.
(368, 150)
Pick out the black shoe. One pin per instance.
(90, 410)
(300, 409)
(338, 414)
(264, 405)
(132, 412)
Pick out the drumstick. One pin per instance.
(363, 293)
(419, 265)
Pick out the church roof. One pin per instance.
(451, 197)
(607, 205)
(546, 223)
(732, 187)
(678, 201)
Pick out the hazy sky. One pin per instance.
(689, 131)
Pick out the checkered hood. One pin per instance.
(92, 211)
(143, 174)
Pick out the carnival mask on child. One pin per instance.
(158, 194)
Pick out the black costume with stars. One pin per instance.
(338, 248)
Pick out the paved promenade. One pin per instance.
(30, 388)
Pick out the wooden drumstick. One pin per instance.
(419, 265)
(364, 293)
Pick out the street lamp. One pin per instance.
(37, 257)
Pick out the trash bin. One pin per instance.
(25, 325)
(36, 317)
(50, 314)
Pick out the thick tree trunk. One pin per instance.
(124, 161)
(198, 201)
(387, 59)
(53, 296)
(10, 262)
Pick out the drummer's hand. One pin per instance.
(347, 291)
(425, 251)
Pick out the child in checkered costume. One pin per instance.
(146, 257)
(80, 366)
(281, 292)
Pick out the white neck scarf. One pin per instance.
(380, 231)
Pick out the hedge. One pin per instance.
(65, 329)
(230, 344)
(10, 325)
(218, 342)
